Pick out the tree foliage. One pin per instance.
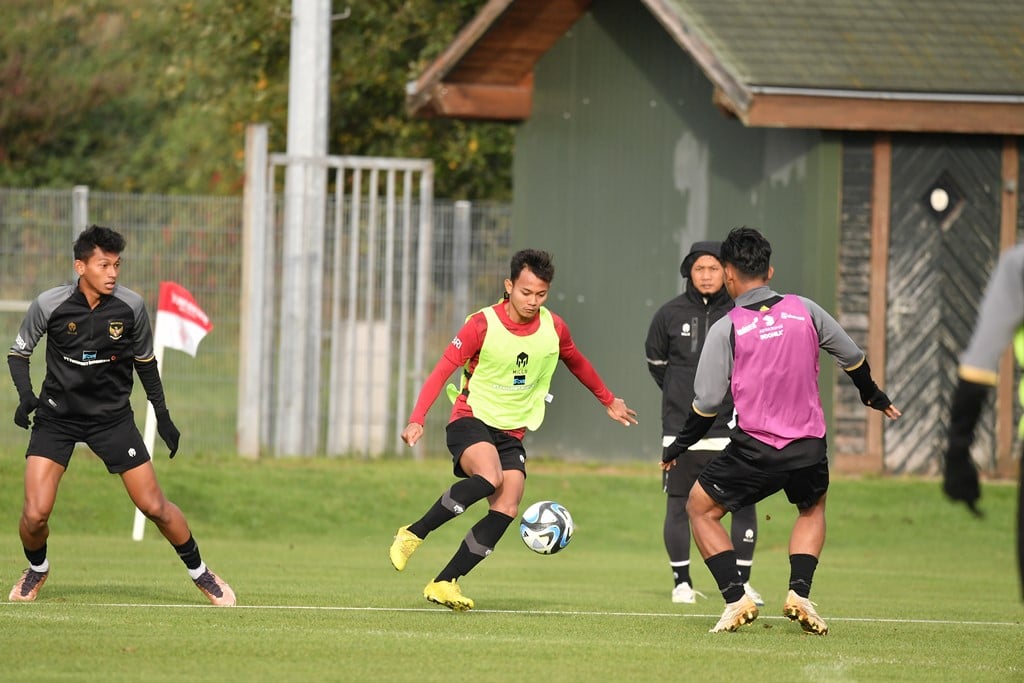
(154, 95)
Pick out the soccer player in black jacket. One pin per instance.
(97, 333)
(674, 341)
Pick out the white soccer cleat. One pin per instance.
(684, 594)
(753, 594)
(802, 610)
(736, 614)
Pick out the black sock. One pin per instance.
(452, 503)
(189, 553)
(681, 573)
(743, 534)
(676, 534)
(723, 568)
(801, 573)
(478, 544)
(36, 557)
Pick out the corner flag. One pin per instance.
(180, 324)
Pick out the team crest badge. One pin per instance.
(72, 328)
(519, 375)
(116, 329)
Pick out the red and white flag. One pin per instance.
(180, 323)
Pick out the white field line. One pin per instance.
(557, 613)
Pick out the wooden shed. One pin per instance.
(878, 145)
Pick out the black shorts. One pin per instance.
(466, 431)
(679, 480)
(735, 482)
(119, 444)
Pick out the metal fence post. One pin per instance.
(251, 340)
(423, 277)
(461, 240)
(79, 216)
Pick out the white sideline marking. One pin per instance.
(562, 613)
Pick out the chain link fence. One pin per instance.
(196, 242)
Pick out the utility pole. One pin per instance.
(298, 383)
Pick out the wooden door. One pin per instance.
(940, 256)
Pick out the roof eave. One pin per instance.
(419, 94)
(831, 109)
(477, 101)
(487, 71)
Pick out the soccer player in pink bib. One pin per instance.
(766, 351)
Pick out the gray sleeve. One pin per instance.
(143, 333)
(714, 369)
(33, 327)
(833, 338)
(1002, 313)
(143, 329)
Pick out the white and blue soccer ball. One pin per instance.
(546, 527)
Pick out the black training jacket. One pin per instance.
(90, 352)
(674, 341)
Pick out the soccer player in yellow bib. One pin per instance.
(508, 353)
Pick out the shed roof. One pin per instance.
(918, 65)
(925, 46)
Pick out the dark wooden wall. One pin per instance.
(847, 431)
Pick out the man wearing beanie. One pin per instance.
(674, 341)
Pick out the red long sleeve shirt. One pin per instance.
(465, 348)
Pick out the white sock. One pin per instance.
(41, 568)
(198, 571)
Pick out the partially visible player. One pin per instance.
(508, 353)
(1000, 321)
(97, 333)
(766, 351)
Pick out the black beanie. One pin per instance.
(696, 251)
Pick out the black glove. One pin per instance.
(959, 474)
(26, 404)
(870, 394)
(877, 400)
(960, 478)
(672, 451)
(167, 431)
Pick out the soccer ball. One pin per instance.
(546, 527)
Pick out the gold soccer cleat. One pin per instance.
(215, 589)
(736, 614)
(449, 594)
(802, 610)
(405, 545)
(28, 586)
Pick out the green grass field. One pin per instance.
(912, 587)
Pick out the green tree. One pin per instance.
(154, 96)
(63, 82)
